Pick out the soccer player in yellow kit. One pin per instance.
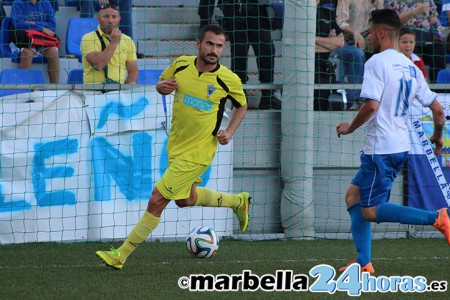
(201, 87)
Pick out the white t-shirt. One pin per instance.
(393, 80)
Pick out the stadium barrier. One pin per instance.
(81, 167)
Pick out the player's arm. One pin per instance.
(364, 114)
(224, 136)
(439, 121)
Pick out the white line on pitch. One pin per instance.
(206, 261)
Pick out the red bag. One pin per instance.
(39, 39)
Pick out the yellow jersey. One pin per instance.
(117, 66)
(198, 108)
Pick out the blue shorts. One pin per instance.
(376, 176)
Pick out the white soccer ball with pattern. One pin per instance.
(202, 242)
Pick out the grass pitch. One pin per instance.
(72, 271)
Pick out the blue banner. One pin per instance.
(427, 175)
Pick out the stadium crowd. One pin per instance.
(427, 21)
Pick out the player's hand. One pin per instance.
(342, 129)
(115, 35)
(224, 137)
(438, 144)
(165, 87)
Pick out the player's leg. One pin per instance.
(388, 212)
(200, 196)
(238, 202)
(174, 184)
(360, 228)
(116, 258)
(387, 167)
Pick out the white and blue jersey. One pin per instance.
(443, 16)
(393, 80)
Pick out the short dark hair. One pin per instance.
(386, 17)
(112, 4)
(216, 29)
(406, 30)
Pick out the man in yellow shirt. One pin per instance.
(109, 56)
(201, 87)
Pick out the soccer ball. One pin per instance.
(202, 242)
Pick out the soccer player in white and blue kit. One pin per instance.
(391, 82)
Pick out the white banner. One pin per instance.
(82, 168)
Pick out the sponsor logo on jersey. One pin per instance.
(198, 103)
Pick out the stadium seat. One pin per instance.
(20, 76)
(443, 76)
(149, 76)
(76, 28)
(75, 76)
(73, 3)
(6, 50)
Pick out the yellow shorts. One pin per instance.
(178, 179)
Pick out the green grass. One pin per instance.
(72, 271)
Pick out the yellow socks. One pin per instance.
(149, 222)
(140, 232)
(210, 198)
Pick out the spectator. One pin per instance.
(422, 17)
(126, 24)
(328, 37)
(37, 15)
(108, 54)
(407, 43)
(87, 11)
(444, 16)
(206, 11)
(55, 5)
(353, 18)
(248, 24)
(444, 19)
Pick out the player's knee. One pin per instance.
(352, 197)
(369, 214)
(185, 203)
(181, 203)
(156, 203)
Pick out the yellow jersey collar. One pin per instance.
(102, 33)
(212, 71)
